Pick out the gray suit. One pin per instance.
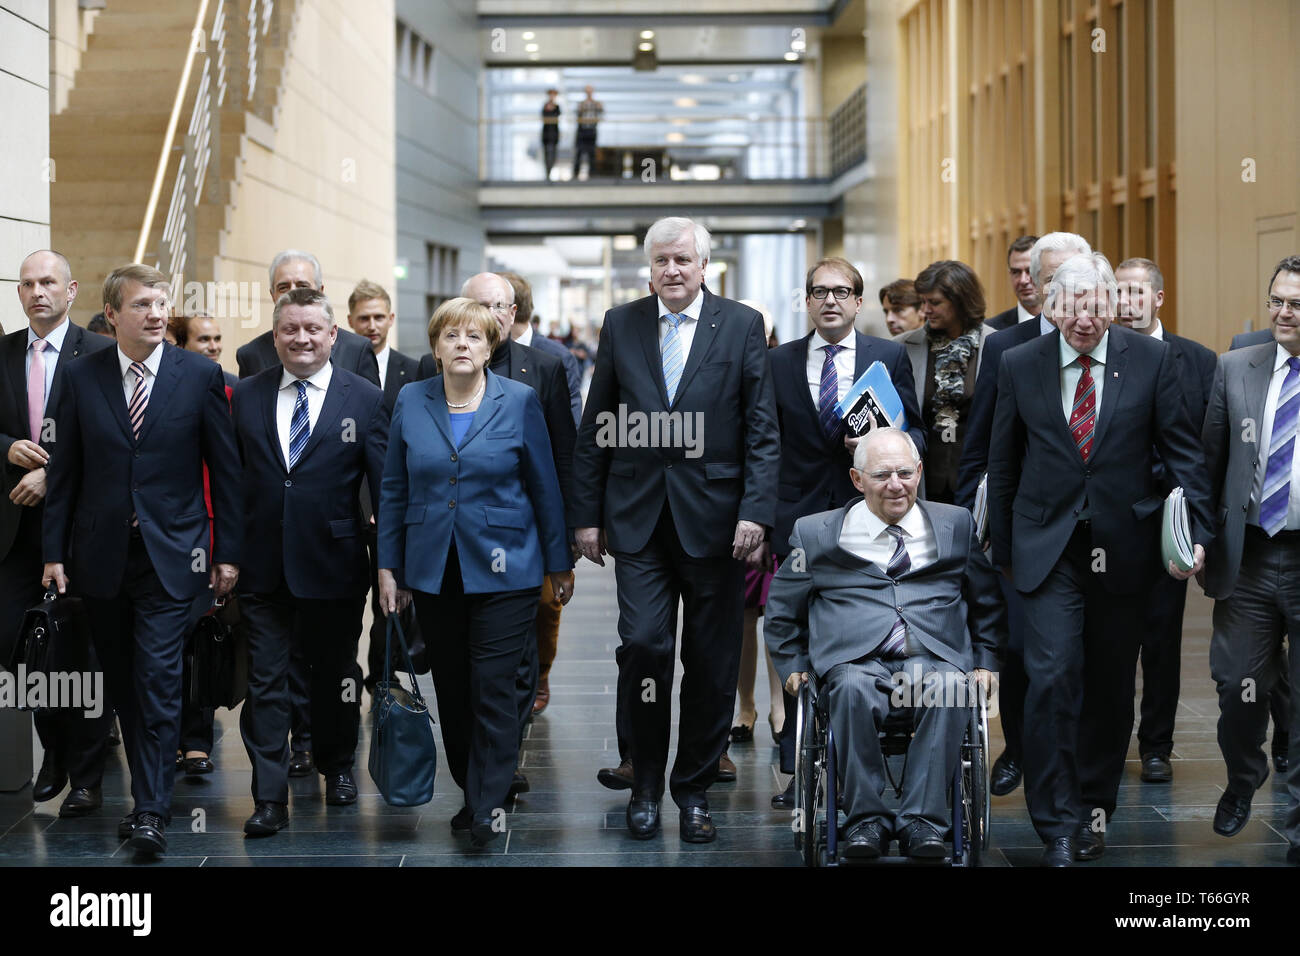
(829, 611)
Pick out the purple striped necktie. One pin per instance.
(1276, 496)
(828, 395)
(895, 644)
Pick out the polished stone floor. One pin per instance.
(568, 819)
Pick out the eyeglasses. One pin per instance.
(904, 474)
(820, 292)
(1275, 304)
(500, 308)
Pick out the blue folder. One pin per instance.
(872, 396)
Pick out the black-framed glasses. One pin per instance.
(820, 292)
(1275, 304)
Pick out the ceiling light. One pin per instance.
(791, 56)
(647, 34)
(645, 47)
(534, 56)
(686, 102)
(529, 34)
(531, 48)
(676, 137)
(693, 79)
(624, 243)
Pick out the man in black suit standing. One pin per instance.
(1141, 293)
(1075, 521)
(126, 526)
(1046, 254)
(1023, 287)
(525, 332)
(675, 475)
(308, 434)
(810, 375)
(32, 360)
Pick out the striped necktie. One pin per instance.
(672, 356)
(895, 644)
(828, 396)
(1281, 453)
(299, 427)
(139, 400)
(1083, 415)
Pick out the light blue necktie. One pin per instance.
(1281, 448)
(672, 355)
(299, 427)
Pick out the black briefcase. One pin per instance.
(216, 658)
(54, 638)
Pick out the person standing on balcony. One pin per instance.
(550, 130)
(590, 112)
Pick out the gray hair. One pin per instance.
(673, 227)
(295, 255)
(304, 298)
(875, 437)
(1055, 242)
(1083, 273)
(504, 282)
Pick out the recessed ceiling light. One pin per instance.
(791, 56)
(534, 56)
(531, 48)
(693, 79)
(645, 47)
(529, 34)
(686, 102)
(676, 137)
(647, 34)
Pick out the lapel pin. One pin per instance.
(1116, 374)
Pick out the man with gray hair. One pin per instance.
(1074, 521)
(888, 593)
(679, 510)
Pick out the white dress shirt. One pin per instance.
(1072, 371)
(1023, 314)
(865, 535)
(382, 358)
(150, 368)
(526, 337)
(287, 398)
(49, 355)
(1159, 331)
(690, 317)
(845, 364)
(1280, 368)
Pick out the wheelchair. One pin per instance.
(816, 816)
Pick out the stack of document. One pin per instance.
(872, 402)
(1175, 533)
(981, 512)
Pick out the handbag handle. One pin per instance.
(395, 625)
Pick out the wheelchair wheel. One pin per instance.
(975, 781)
(810, 791)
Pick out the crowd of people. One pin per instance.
(459, 488)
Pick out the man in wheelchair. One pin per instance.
(872, 596)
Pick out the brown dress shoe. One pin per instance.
(616, 778)
(543, 696)
(726, 769)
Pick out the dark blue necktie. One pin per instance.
(299, 427)
(828, 396)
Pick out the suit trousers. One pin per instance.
(1162, 658)
(328, 631)
(1012, 681)
(539, 654)
(1081, 648)
(1248, 629)
(197, 723)
(71, 740)
(476, 643)
(859, 699)
(650, 584)
(299, 695)
(139, 636)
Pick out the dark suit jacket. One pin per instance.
(351, 351)
(1003, 320)
(100, 474)
(495, 495)
(1039, 483)
(402, 370)
(975, 448)
(814, 472)
(522, 363)
(621, 482)
(1246, 339)
(13, 413)
(572, 374)
(304, 527)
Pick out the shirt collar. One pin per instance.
(849, 342)
(382, 355)
(912, 523)
(1098, 354)
(53, 341)
(1281, 358)
(1159, 331)
(321, 379)
(526, 337)
(151, 363)
(1023, 314)
(1045, 325)
(692, 311)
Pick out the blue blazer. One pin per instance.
(496, 496)
(99, 474)
(305, 526)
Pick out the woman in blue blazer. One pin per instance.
(470, 517)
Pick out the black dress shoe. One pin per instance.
(921, 842)
(49, 782)
(1293, 855)
(126, 826)
(616, 778)
(300, 763)
(742, 734)
(1089, 844)
(519, 784)
(1231, 814)
(696, 825)
(785, 799)
(643, 818)
(1059, 852)
(268, 819)
(81, 801)
(340, 789)
(866, 841)
(115, 736)
(462, 820)
(197, 766)
(1156, 769)
(149, 835)
(1280, 761)
(1007, 773)
(481, 834)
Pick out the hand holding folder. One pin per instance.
(1175, 533)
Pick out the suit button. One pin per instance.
(1245, 507)
(452, 480)
(670, 464)
(452, 503)
(453, 456)
(137, 455)
(1087, 473)
(899, 609)
(288, 483)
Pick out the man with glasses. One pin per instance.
(811, 375)
(1251, 452)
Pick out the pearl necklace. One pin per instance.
(472, 397)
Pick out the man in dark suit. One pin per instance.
(1074, 519)
(1141, 293)
(675, 472)
(525, 332)
(816, 452)
(126, 526)
(308, 434)
(1023, 287)
(32, 360)
(1045, 255)
(1250, 450)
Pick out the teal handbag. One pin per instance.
(403, 755)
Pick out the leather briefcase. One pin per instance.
(216, 658)
(403, 755)
(54, 638)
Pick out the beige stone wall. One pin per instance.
(322, 179)
(69, 28)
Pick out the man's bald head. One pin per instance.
(494, 292)
(46, 289)
(52, 258)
